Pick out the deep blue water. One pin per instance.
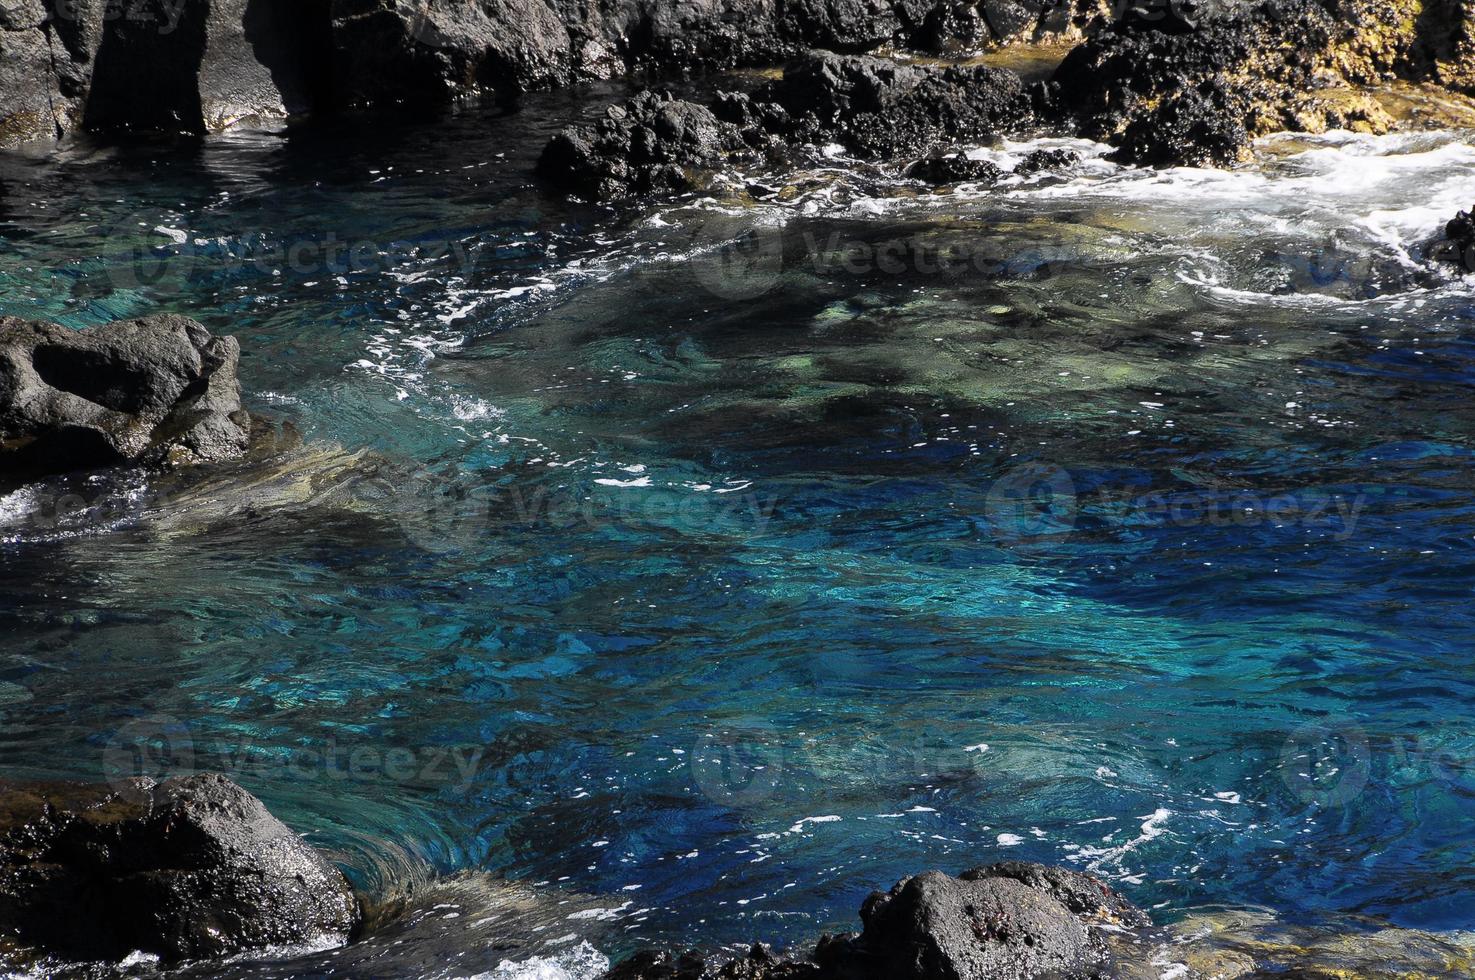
(1137, 535)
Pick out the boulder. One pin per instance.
(434, 51)
(155, 391)
(1037, 161)
(185, 869)
(977, 927)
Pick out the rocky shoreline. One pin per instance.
(199, 867)
(196, 869)
(194, 877)
(1165, 81)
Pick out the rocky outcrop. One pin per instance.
(653, 143)
(873, 107)
(1457, 247)
(203, 65)
(185, 869)
(449, 48)
(1009, 921)
(158, 65)
(155, 391)
(955, 168)
(1198, 93)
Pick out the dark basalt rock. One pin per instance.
(1009, 921)
(185, 869)
(934, 927)
(1199, 127)
(1174, 85)
(873, 107)
(880, 108)
(1458, 245)
(155, 391)
(653, 143)
(1038, 161)
(1090, 898)
(954, 168)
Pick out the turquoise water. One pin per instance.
(729, 558)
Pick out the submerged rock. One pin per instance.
(156, 391)
(185, 869)
(1009, 921)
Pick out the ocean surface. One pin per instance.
(696, 568)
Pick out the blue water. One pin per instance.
(729, 584)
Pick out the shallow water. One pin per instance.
(727, 559)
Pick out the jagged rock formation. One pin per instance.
(874, 107)
(155, 391)
(203, 65)
(1199, 96)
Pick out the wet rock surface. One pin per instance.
(1458, 245)
(653, 143)
(874, 108)
(154, 391)
(207, 65)
(954, 168)
(186, 869)
(1194, 84)
(1007, 921)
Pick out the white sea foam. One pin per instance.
(582, 962)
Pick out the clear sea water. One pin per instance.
(718, 561)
